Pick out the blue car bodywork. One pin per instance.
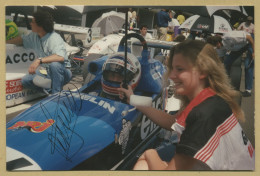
(80, 130)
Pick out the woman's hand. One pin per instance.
(125, 93)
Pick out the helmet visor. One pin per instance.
(117, 71)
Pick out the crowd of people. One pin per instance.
(230, 45)
(210, 136)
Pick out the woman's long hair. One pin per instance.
(204, 57)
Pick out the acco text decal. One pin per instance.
(24, 57)
(13, 86)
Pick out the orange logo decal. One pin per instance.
(33, 126)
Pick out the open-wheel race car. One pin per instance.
(81, 129)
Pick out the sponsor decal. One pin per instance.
(187, 24)
(100, 103)
(250, 148)
(124, 134)
(15, 96)
(16, 58)
(222, 28)
(33, 126)
(203, 26)
(13, 86)
(147, 126)
(20, 94)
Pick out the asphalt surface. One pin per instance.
(248, 105)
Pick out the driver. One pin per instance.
(113, 74)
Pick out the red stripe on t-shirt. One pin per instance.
(250, 150)
(203, 95)
(207, 151)
(209, 148)
(221, 130)
(210, 153)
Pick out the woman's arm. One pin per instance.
(159, 117)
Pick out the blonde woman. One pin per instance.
(208, 121)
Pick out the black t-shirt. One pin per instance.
(213, 135)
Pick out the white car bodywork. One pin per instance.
(18, 61)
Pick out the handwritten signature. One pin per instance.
(65, 115)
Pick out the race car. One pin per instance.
(82, 130)
(109, 44)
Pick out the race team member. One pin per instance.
(113, 74)
(163, 18)
(208, 120)
(51, 52)
(144, 33)
(234, 44)
(247, 26)
(180, 18)
(137, 50)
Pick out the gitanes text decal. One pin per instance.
(147, 125)
(33, 126)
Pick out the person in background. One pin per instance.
(163, 18)
(247, 26)
(173, 25)
(235, 43)
(137, 50)
(51, 52)
(129, 16)
(208, 120)
(179, 38)
(237, 24)
(144, 33)
(134, 19)
(216, 42)
(180, 18)
(193, 35)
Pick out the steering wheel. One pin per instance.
(134, 35)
